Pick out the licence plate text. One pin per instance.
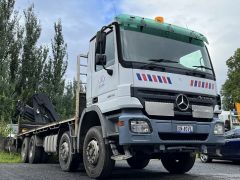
(185, 129)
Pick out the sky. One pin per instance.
(218, 20)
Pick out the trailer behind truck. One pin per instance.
(150, 94)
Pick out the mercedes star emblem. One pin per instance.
(182, 102)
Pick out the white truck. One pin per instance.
(150, 94)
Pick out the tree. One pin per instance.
(68, 101)
(25, 66)
(10, 50)
(54, 70)
(231, 88)
(33, 57)
(59, 60)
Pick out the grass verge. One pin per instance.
(6, 157)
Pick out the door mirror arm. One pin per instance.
(109, 71)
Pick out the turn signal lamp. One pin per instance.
(120, 123)
(159, 19)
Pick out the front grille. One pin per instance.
(182, 137)
(145, 94)
(156, 95)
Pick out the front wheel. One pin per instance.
(178, 163)
(138, 162)
(97, 155)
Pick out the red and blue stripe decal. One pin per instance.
(154, 78)
(202, 84)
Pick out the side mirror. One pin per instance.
(101, 59)
(101, 42)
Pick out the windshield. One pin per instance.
(147, 48)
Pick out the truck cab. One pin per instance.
(162, 84)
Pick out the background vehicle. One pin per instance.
(8, 141)
(13, 130)
(231, 149)
(150, 94)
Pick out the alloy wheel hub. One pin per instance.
(204, 157)
(92, 152)
(64, 151)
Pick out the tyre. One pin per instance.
(35, 152)
(68, 161)
(24, 150)
(205, 158)
(178, 163)
(138, 162)
(97, 155)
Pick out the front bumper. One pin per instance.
(164, 132)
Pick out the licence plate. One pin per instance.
(184, 129)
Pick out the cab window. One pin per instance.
(193, 59)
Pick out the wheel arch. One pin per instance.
(90, 117)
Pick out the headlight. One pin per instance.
(140, 126)
(219, 129)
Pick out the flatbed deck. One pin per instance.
(46, 127)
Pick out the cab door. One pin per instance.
(104, 85)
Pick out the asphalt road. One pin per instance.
(217, 170)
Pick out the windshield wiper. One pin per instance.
(154, 62)
(162, 60)
(201, 73)
(205, 67)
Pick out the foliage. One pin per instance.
(27, 67)
(32, 56)
(54, 70)
(4, 130)
(10, 45)
(6, 157)
(231, 88)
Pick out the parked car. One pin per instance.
(229, 151)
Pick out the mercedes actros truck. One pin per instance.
(150, 94)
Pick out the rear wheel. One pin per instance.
(178, 163)
(205, 158)
(68, 161)
(138, 162)
(97, 155)
(24, 150)
(35, 152)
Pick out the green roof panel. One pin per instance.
(136, 22)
